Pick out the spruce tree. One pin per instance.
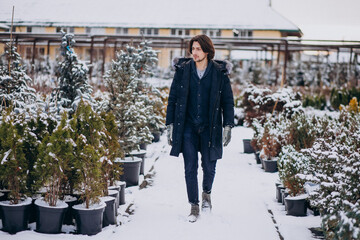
(87, 130)
(14, 85)
(73, 82)
(128, 100)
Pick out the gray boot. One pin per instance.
(194, 213)
(206, 202)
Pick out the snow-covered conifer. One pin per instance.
(73, 82)
(14, 85)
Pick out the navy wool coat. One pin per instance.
(221, 105)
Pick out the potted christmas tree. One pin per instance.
(87, 128)
(13, 173)
(56, 151)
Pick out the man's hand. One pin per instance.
(227, 135)
(170, 128)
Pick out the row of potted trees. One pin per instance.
(75, 144)
(318, 163)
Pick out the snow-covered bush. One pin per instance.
(128, 99)
(53, 162)
(13, 165)
(14, 85)
(335, 167)
(87, 129)
(73, 83)
(258, 102)
(110, 172)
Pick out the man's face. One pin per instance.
(197, 52)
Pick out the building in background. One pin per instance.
(151, 18)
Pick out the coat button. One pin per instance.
(179, 124)
(181, 86)
(217, 109)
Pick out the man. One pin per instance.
(200, 103)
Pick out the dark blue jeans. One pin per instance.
(193, 142)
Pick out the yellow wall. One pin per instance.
(50, 29)
(194, 32)
(110, 31)
(164, 57)
(20, 29)
(164, 32)
(227, 33)
(134, 31)
(79, 30)
(266, 34)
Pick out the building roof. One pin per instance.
(224, 14)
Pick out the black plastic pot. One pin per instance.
(122, 193)
(140, 154)
(143, 146)
(279, 187)
(49, 219)
(89, 221)
(315, 210)
(284, 194)
(32, 209)
(270, 165)
(296, 206)
(257, 157)
(247, 146)
(115, 193)
(15, 217)
(131, 169)
(69, 214)
(109, 217)
(156, 136)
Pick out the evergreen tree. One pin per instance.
(128, 101)
(13, 162)
(14, 85)
(87, 130)
(55, 155)
(72, 80)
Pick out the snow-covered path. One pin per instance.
(242, 196)
(238, 212)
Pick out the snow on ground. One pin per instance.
(242, 196)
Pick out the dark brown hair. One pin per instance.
(206, 45)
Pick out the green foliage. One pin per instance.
(110, 172)
(317, 101)
(13, 165)
(343, 96)
(56, 154)
(87, 130)
(290, 163)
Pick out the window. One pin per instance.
(123, 31)
(28, 29)
(180, 32)
(212, 32)
(149, 31)
(242, 33)
(65, 29)
(88, 30)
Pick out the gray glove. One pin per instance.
(170, 128)
(226, 135)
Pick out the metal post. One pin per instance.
(285, 60)
(33, 57)
(91, 56)
(104, 57)
(48, 49)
